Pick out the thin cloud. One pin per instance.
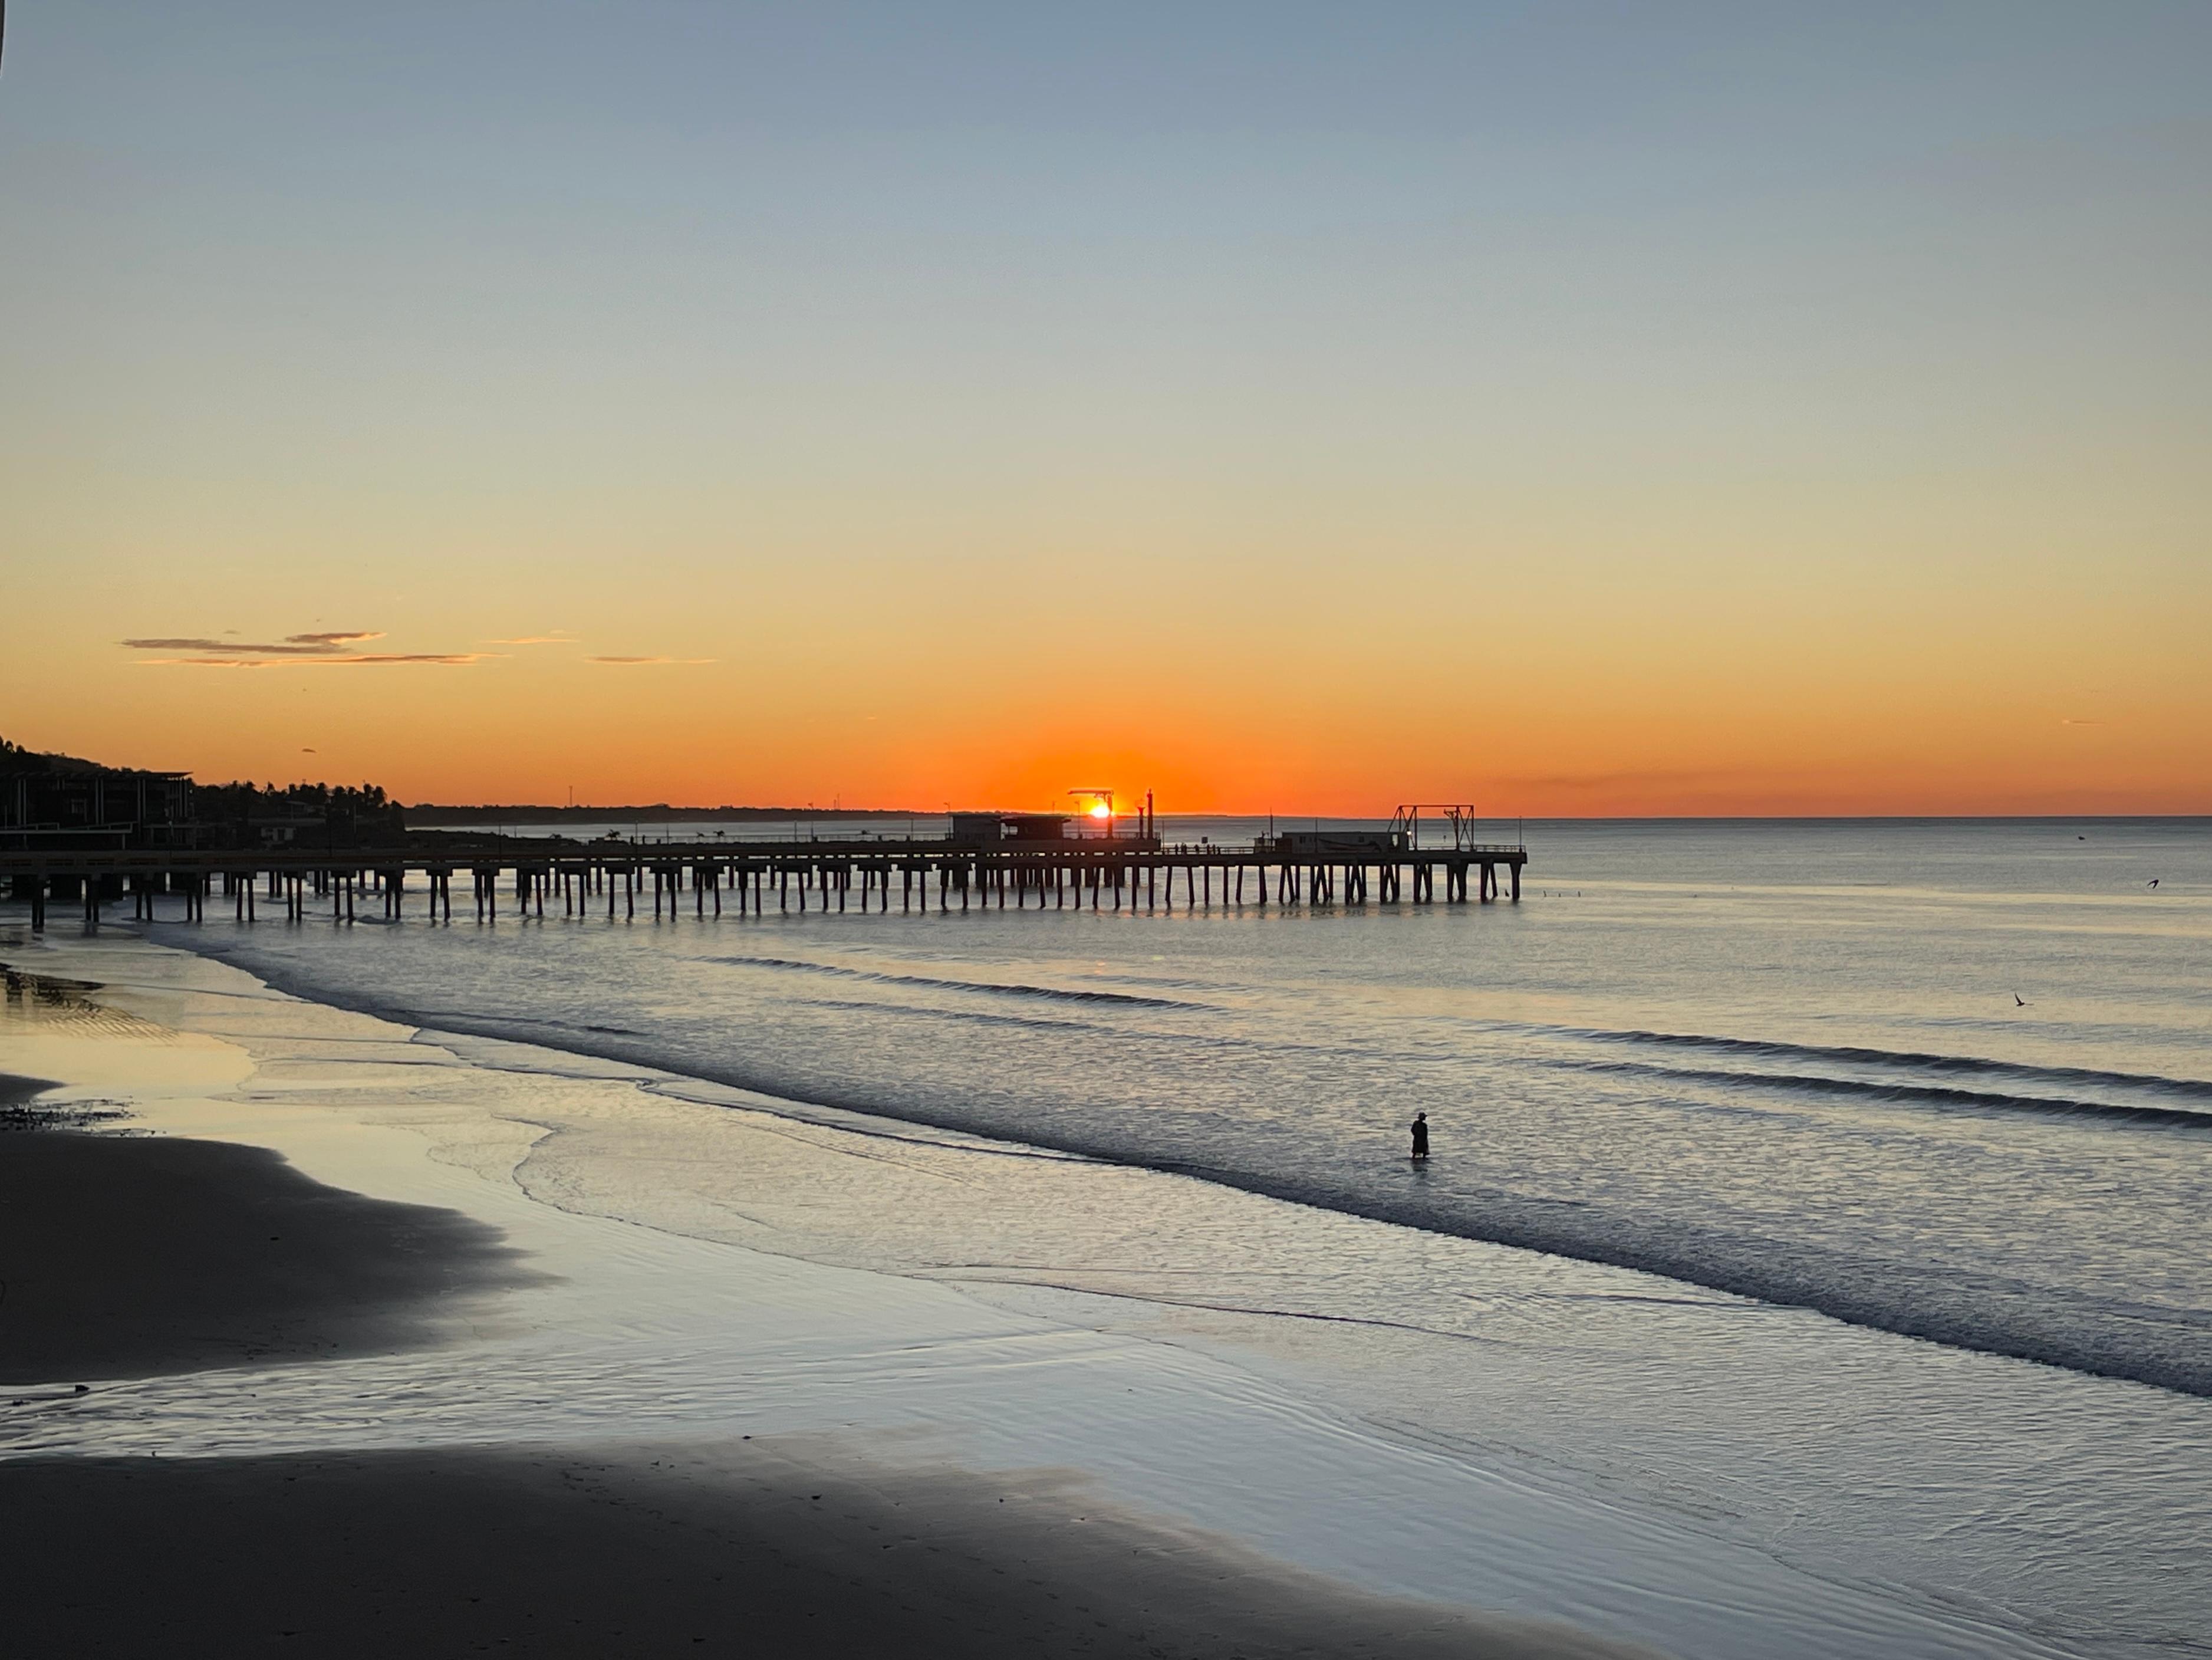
(646, 662)
(419, 657)
(331, 644)
(558, 637)
(457, 659)
(2070, 721)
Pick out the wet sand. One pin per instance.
(129, 1257)
(748, 1549)
(136, 1256)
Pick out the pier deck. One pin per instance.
(754, 878)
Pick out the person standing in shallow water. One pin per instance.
(1420, 1135)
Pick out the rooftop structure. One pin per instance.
(55, 801)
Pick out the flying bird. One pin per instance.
(2018, 1002)
(2153, 881)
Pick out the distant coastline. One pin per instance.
(429, 817)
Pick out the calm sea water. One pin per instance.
(1951, 1080)
(1947, 1085)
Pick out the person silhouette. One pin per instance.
(1420, 1135)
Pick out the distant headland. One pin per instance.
(54, 800)
(430, 816)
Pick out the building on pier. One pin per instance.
(993, 830)
(56, 802)
(1042, 832)
(1335, 847)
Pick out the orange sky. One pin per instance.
(1712, 419)
(1211, 692)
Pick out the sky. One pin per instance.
(1571, 409)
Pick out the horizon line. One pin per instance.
(522, 809)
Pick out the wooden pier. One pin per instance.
(617, 881)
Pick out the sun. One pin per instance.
(1102, 810)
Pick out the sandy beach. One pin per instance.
(136, 1250)
(131, 1256)
(397, 1340)
(750, 1548)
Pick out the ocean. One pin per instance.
(1838, 1187)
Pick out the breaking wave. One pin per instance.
(989, 988)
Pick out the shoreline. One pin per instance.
(1902, 1302)
(687, 1338)
(446, 1550)
(156, 1257)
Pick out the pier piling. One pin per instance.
(1112, 876)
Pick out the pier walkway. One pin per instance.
(754, 878)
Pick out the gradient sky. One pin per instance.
(1578, 409)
